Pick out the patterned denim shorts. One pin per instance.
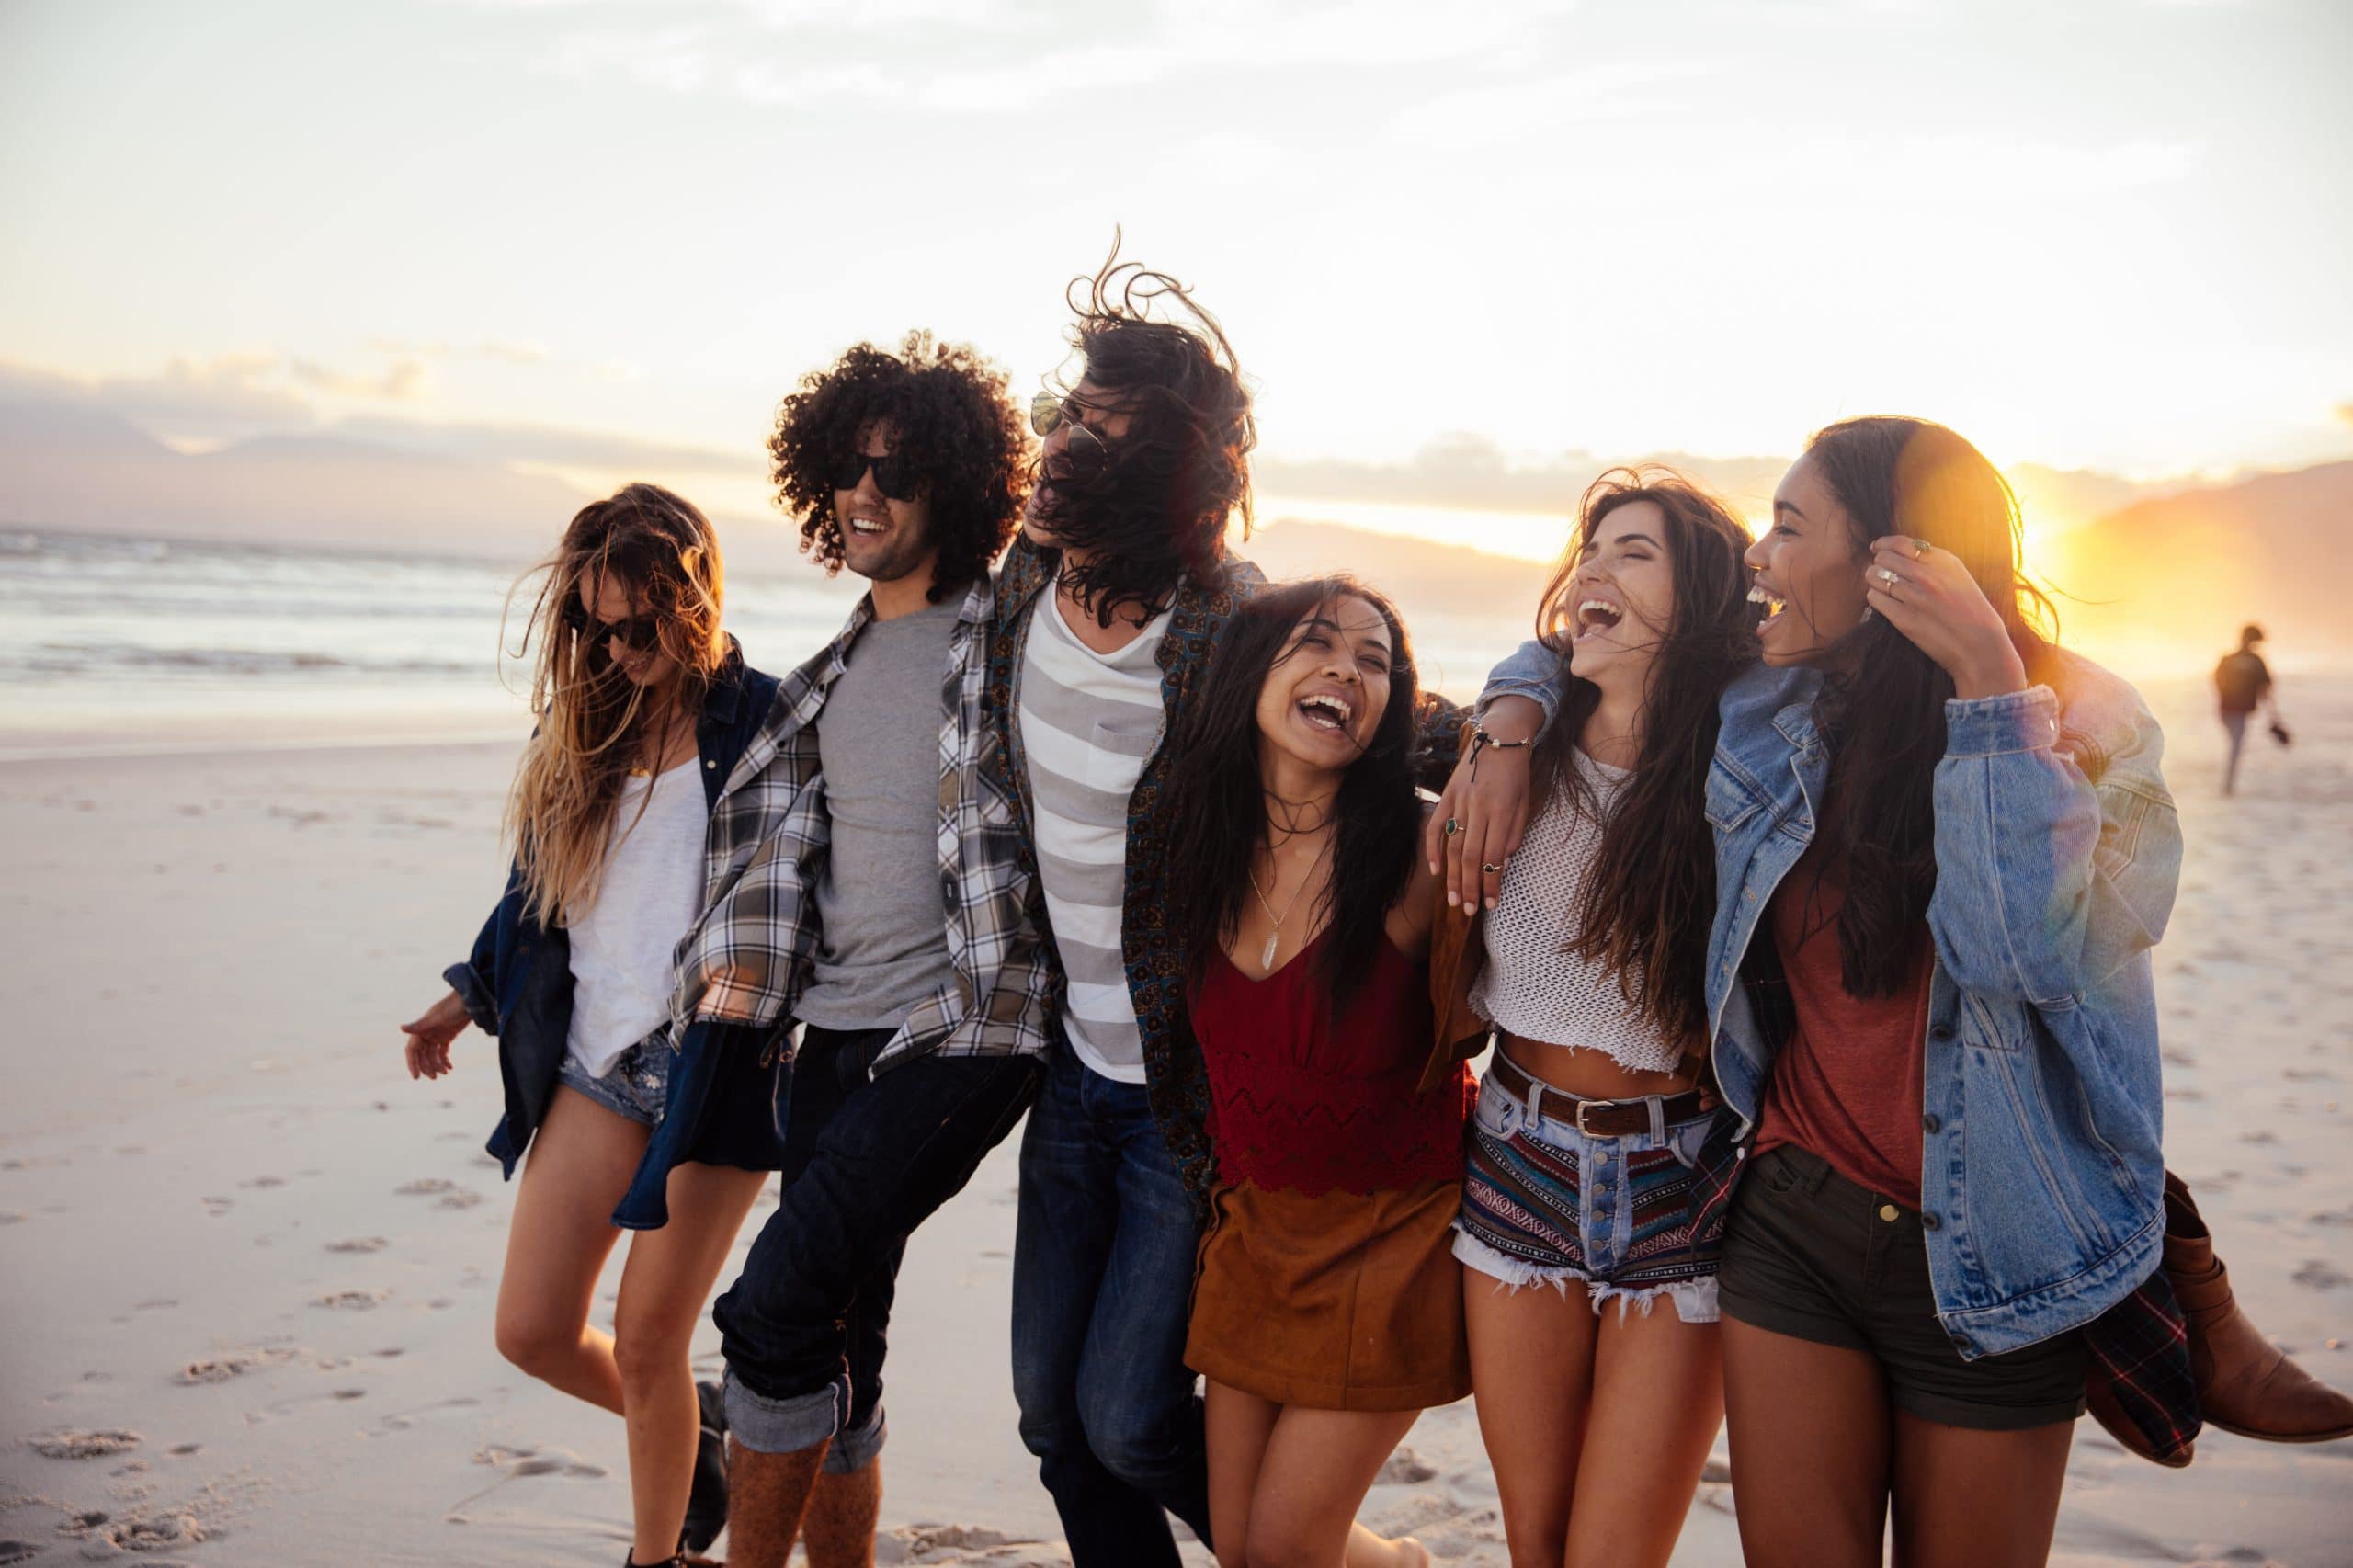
(636, 1085)
(1544, 1204)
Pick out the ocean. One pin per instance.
(112, 644)
(116, 644)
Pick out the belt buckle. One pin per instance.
(1584, 1106)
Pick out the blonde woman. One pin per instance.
(645, 706)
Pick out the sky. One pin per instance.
(1465, 251)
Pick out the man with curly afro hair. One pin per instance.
(939, 412)
(874, 895)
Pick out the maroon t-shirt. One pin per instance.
(1847, 1085)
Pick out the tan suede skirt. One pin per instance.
(1343, 1301)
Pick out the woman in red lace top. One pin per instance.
(1327, 1307)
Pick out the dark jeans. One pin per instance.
(804, 1327)
(1102, 1280)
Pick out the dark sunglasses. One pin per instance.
(894, 474)
(638, 633)
(1049, 411)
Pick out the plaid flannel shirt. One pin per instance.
(748, 958)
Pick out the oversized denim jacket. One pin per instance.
(2058, 849)
(722, 1106)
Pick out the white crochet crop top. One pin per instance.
(1530, 983)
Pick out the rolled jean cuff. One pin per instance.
(854, 1448)
(785, 1425)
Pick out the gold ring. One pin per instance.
(1452, 827)
(1491, 867)
(1887, 576)
(1920, 548)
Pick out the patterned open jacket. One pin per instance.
(1176, 1083)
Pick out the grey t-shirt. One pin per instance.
(882, 943)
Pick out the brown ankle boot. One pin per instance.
(2245, 1383)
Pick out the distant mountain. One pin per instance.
(2180, 573)
(1423, 577)
(73, 468)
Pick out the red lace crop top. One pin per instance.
(1301, 1098)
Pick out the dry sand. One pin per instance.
(250, 1264)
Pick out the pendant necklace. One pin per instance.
(1266, 959)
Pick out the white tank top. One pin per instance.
(1529, 984)
(622, 950)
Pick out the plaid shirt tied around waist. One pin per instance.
(747, 959)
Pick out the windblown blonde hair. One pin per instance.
(591, 716)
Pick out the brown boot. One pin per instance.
(2245, 1383)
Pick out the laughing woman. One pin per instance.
(1590, 1280)
(1944, 851)
(1327, 1309)
(644, 705)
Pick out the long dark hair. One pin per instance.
(1883, 709)
(1217, 804)
(1156, 505)
(951, 414)
(1650, 894)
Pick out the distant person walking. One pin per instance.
(2243, 682)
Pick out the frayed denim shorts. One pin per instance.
(637, 1085)
(1545, 1204)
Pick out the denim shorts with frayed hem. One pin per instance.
(637, 1085)
(1545, 1204)
(1816, 1257)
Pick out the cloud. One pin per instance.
(1470, 472)
(993, 59)
(225, 396)
(505, 350)
(403, 379)
(552, 445)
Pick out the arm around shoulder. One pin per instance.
(2058, 846)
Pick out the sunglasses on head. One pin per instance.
(638, 633)
(894, 474)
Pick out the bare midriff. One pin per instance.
(1588, 1073)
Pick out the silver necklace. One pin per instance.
(1266, 957)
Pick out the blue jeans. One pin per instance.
(805, 1327)
(1102, 1281)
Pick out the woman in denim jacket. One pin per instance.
(1944, 850)
(645, 706)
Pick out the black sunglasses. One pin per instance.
(894, 474)
(638, 633)
(1050, 412)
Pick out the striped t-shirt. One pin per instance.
(1089, 723)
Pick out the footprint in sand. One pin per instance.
(236, 1364)
(1405, 1467)
(359, 1243)
(459, 1199)
(17, 1551)
(424, 1186)
(361, 1301)
(217, 1205)
(404, 1420)
(521, 1464)
(85, 1445)
(2318, 1276)
(264, 1181)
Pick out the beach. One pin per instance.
(252, 1265)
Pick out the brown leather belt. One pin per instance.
(1594, 1119)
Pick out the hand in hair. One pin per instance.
(1927, 595)
(1486, 799)
(427, 1048)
